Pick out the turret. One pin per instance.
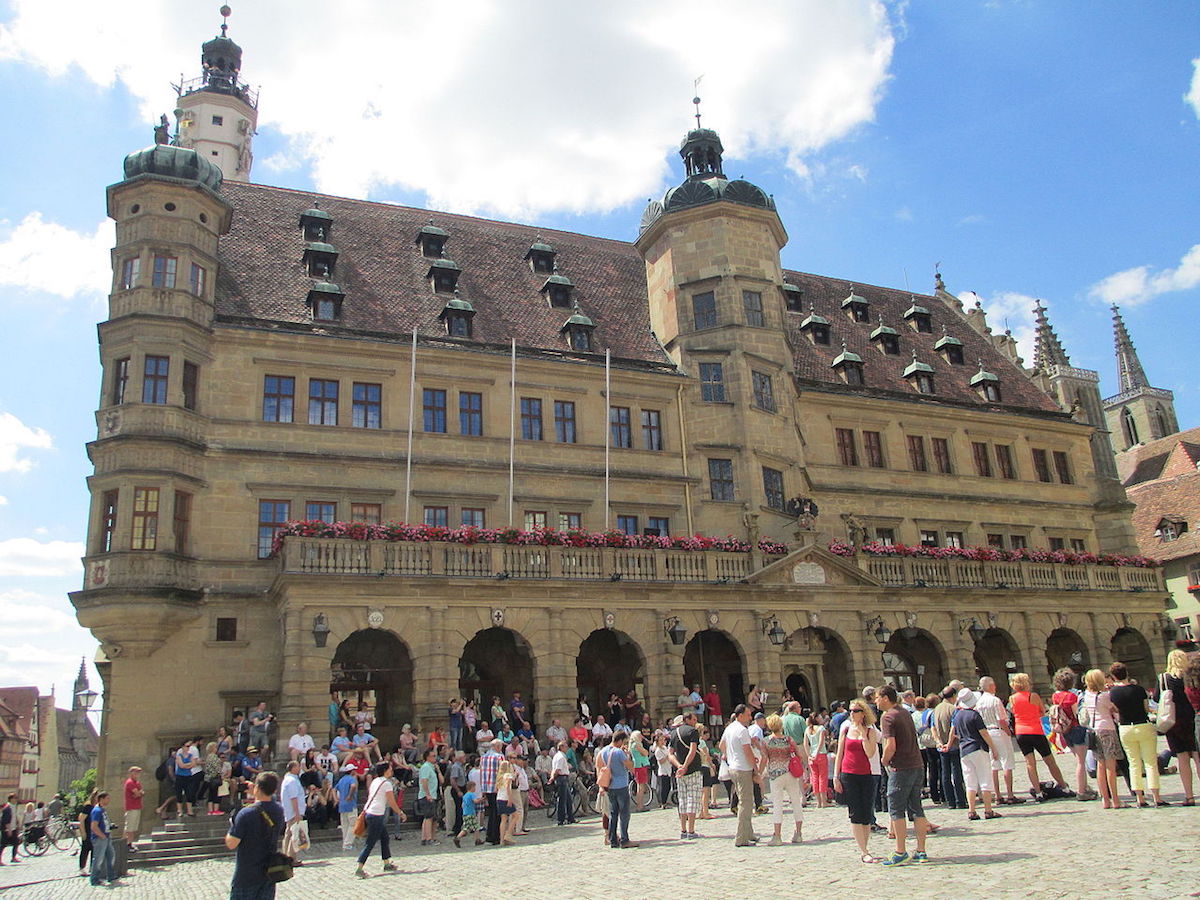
(1139, 412)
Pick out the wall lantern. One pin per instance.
(674, 630)
(320, 630)
(972, 627)
(773, 631)
(876, 627)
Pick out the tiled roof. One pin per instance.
(1172, 492)
(1145, 462)
(384, 276)
(23, 702)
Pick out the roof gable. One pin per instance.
(812, 565)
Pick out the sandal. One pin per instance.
(973, 817)
(992, 815)
(868, 858)
(1190, 801)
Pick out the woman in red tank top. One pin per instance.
(1028, 709)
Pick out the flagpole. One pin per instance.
(608, 421)
(412, 399)
(512, 429)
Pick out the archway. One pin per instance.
(1131, 648)
(799, 689)
(997, 655)
(712, 658)
(373, 667)
(494, 663)
(913, 660)
(1065, 648)
(609, 662)
(821, 657)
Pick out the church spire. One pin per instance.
(1047, 348)
(1129, 367)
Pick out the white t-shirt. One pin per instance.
(377, 803)
(328, 760)
(737, 739)
(292, 790)
(559, 765)
(474, 776)
(662, 754)
(522, 779)
(301, 742)
(601, 729)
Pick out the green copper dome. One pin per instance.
(173, 162)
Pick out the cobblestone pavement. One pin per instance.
(1062, 849)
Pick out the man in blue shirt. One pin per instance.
(362, 738)
(347, 791)
(620, 764)
(100, 829)
(255, 834)
(341, 744)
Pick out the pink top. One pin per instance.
(1100, 708)
(854, 758)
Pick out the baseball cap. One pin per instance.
(677, 721)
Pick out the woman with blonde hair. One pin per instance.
(641, 769)
(857, 744)
(1099, 715)
(780, 749)
(708, 766)
(505, 803)
(1028, 709)
(1181, 738)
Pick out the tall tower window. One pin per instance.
(197, 277)
(120, 380)
(182, 520)
(720, 479)
(764, 391)
(1129, 429)
(191, 385)
(712, 382)
(773, 487)
(704, 310)
(752, 303)
(145, 519)
(131, 269)
(108, 521)
(164, 271)
(154, 379)
(1160, 422)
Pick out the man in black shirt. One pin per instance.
(684, 754)
(255, 834)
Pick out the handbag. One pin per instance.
(279, 865)
(723, 773)
(424, 808)
(604, 772)
(360, 824)
(795, 763)
(1166, 707)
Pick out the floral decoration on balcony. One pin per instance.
(995, 554)
(537, 537)
(1193, 588)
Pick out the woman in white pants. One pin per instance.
(780, 750)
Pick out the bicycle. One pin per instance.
(34, 841)
(63, 834)
(550, 797)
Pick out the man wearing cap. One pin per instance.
(133, 806)
(976, 749)
(685, 756)
(758, 738)
(347, 792)
(995, 717)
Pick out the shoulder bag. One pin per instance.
(604, 769)
(795, 763)
(360, 824)
(279, 865)
(1166, 706)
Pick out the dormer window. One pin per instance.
(857, 307)
(816, 327)
(541, 258)
(432, 241)
(986, 384)
(920, 376)
(319, 259)
(849, 367)
(443, 275)
(1171, 528)
(457, 316)
(316, 224)
(886, 339)
(792, 297)
(578, 330)
(951, 349)
(557, 289)
(919, 319)
(325, 299)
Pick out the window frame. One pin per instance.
(322, 403)
(320, 511)
(433, 410)
(652, 436)
(704, 311)
(277, 399)
(156, 383)
(1006, 461)
(918, 460)
(365, 401)
(662, 529)
(721, 484)
(565, 426)
(367, 513)
(712, 390)
(628, 524)
(620, 427)
(191, 385)
(773, 488)
(268, 529)
(110, 502)
(1062, 467)
(1041, 465)
(120, 381)
(164, 276)
(570, 520)
(982, 458)
(531, 419)
(197, 279)
(763, 388)
(470, 413)
(752, 306)
(144, 530)
(131, 272)
(181, 521)
(436, 516)
(847, 448)
(468, 512)
(943, 462)
(873, 450)
(533, 519)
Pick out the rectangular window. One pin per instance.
(434, 410)
(120, 380)
(570, 520)
(164, 271)
(627, 524)
(941, 456)
(218, 120)
(720, 479)
(191, 385)
(847, 453)
(1041, 465)
(658, 525)
(1078, 546)
(272, 515)
(535, 518)
(473, 517)
(531, 419)
(322, 402)
(1004, 461)
(279, 394)
(1063, 466)
(873, 446)
(130, 270)
(620, 432)
(108, 520)
(437, 516)
(367, 411)
(1017, 542)
(470, 413)
(182, 521)
(652, 429)
(1057, 543)
(564, 421)
(764, 392)
(752, 303)
(954, 539)
(369, 513)
(320, 511)
(226, 629)
(197, 275)
(916, 453)
(704, 310)
(996, 540)
(154, 379)
(929, 539)
(983, 460)
(145, 519)
(712, 382)
(886, 536)
(773, 488)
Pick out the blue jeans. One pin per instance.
(376, 832)
(562, 792)
(103, 860)
(618, 815)
(456, 737)
(953, 790)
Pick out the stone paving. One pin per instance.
(1061, 849)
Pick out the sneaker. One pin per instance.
(898, 859)
(390, 867)
(920, 857)
(361, 873)
(776, 841)
(683, 835)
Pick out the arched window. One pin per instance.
(1129, 428)
(1161, 428)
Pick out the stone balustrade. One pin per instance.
(915, 571)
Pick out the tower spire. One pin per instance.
(1129, 368)
(1047, 348)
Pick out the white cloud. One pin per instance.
(3, 500)
(43, 642)
(563, 106)
(1192, 97)
(1009, 311)
(25, 557)
(1139, 284)
(16, 436)
(45, 256)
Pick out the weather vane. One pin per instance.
(696, 98)
(226, 12)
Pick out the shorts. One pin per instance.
(641, 775)
(690, 788)
(977, 770)
(1034, 743)
(716, 720)
(1108, 746)
(505, 808)
(904, 794)
(859, 794)
(1076, 737)
(1003, 760)
(709, 778)
(133, 820)
(470, 824)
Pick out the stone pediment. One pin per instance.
(812, 566)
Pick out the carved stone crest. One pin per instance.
(498, 618)
(814, 619)
(375, 618)
(808, 573)
(610, 619)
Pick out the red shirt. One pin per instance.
(133, 800)
(712, 703)
(360, 763)
(578, 733)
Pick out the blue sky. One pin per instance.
(1035, 150)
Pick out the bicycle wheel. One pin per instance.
(35, 846)
(551, 798)
(64, 837)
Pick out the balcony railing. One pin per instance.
(917, 572)
(134, 570)
(334, 556)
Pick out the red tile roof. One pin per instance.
(1172, 491)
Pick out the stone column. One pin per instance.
(868, 665)
(435, 671)
(554, 679)
(664, 668)
(1101, 649)
(961, 661)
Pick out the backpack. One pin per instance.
(1060, 721)
(161, 772)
